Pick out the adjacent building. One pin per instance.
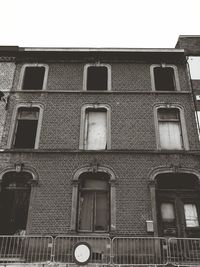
(99, 156)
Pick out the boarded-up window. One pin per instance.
(26, 128)
(93, 215)
(33, 78)
(95, 130)
(170, 128)
(97, 78)
(164, 79)
(191, 217)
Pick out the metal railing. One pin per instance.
(139, 251)
(124, 251)
(101, 248)
(184, 251)
(25, 249)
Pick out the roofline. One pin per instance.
(193, 36)
(128, 50)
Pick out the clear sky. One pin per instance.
(97, 23)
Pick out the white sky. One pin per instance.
(97, 23)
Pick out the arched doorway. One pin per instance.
(178, 204)
(14, 202)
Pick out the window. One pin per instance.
(14, 202)
(169, 128)
(94, 206)
(97, 77)
(33, 77)
(26, 127)
(164, 78)
(178, 205)
(95, 128)
(194, 64)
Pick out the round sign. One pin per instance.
(82, 253)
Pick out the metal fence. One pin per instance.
(184, 251)
(124, 251)
(25, 249)
(101, 249)
(139, 251)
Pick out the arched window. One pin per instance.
(93, 200)
(178, 204)
(14, 202)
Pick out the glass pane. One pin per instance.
(94, 184)
(170, 135)
(167, 212)
(28, 113)
(168, 114)
(86, 211)
(102, 211)
(96, 130)
(191, 216)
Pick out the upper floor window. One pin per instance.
(33, 77)
(94, 203)
(26, 127)
(164, 78)
(171, 128)
(194, 64)
(97, 77)
(95, 132)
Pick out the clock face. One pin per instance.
(82, 253)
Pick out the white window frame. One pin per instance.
(12, 131)
(82, 124)
(182, 125)
(85, 71)
(176, 77)
(22, 73)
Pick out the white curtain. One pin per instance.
(170, 135)
(95, 130)
(191, 216)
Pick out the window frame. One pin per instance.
(13, 126)
(22, 74)
(176, 77)
(184, 135)
(93, 192)
(75, 193)
(85, 73)
(83, 126)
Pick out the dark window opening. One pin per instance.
(178, 205)
(164, 79)
(94, 203)
(97, 78)
(26, 128)
(33, 78)
(14, 202)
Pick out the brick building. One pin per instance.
(99, 157)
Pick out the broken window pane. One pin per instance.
(33, 78)
(26, 128)
(97, 78)
(95, 136)
(191, 216)
(164, 79)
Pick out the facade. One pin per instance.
(99, 154)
